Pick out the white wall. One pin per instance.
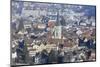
(5, 33)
